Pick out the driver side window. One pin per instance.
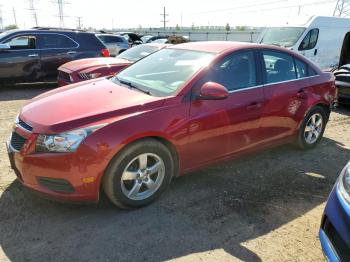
(236, 71)
(22, 42)
(310, 40)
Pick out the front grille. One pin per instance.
(56, 184)
(17, 141)
(341, 248)
(64, 76)
(24, 125)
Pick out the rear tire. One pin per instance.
(139, 174)
(312, 128)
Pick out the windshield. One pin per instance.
(3, 34)
(282, 36)
(164, 72)
(138, 52)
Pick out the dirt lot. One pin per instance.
(266, 207)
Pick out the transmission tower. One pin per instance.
(60, 12)
(33, 12)
(342, 8)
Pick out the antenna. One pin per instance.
(164, 21)
(33, 12)
(342, 8)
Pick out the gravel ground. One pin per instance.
(265, 207)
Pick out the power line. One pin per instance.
(164, 15)
(342, 8)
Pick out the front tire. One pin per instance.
(312, 128)
(139, 174)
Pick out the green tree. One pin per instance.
(193, 28)
(177, 27)
(10, 27)
(227, 27)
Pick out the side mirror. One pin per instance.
(213, 91)
(4, 47)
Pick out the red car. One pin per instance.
(177, 110)
(89, 68)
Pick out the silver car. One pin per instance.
(115, 44)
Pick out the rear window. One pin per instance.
(56, 41)
(110, 39)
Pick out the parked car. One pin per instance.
(145, 38)
(174, 111)
(320, 39)
(116, 44)
(132, 38)
(89, 68)
(342, 81)
(335, 226)
(34, 55)
(154, 38)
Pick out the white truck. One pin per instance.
(324, 40)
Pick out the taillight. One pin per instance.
(105, 52)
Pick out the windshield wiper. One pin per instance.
(132, 86)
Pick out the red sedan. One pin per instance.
(89, 68)
(177, 110)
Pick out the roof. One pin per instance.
(214, 46)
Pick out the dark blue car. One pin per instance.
(335, 226)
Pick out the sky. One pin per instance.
(136, 13)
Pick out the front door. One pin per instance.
(219, 128)
(20, 63)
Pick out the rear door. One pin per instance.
(222, 127)
(56, 50)
(286, 88)
(22, 61)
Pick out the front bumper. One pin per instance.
(343, 92)
(60, 176)
(335, 228)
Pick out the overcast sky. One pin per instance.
(146, 13)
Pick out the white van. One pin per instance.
(320, 39)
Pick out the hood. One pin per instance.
(83, 64)
(83, 104)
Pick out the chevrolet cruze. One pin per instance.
(177, 110)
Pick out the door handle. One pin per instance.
(315, 52)
(71, 52)
(254, 106)
(33, 55)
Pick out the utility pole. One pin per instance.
(33, 12)
(164, 21)
(14, 15)
(342, 8)
(79, 19)
(1, 24)
(60, 12)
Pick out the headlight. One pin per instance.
(64, 142)
(344, 182)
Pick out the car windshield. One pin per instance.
(282, 36)
(3, 34)
(164, 72)
(138, 52)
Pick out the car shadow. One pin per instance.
(220, 207)
(24, 91)
(343, 109)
